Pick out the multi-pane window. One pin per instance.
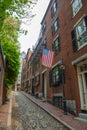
(27, 83)
(57, 101)
(54, 8)
(55, 26)
(80, 29)
(56, 45)
(79, 34)
(44, 43)
(37, 80)
(55, 75)
(76, 6)
(37, 65)
(43, 26)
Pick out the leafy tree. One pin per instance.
(18, 8)
(10, 29)
(12, 13)
(12, 53)
(11, 49)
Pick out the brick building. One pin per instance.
(18, 81)
(63, 30)
(1, 75)
(25, 76)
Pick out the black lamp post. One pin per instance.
(62, 66)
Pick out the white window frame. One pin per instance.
(78, 27)
(77, 8)
(55, 25)
(78, 35)
(54, 7)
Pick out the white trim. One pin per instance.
(81, 58)
(44, 71)
(79, 7)
(71, 1)
(37, 74)
(56, 64)
(79, 21)
(57, 94)
(55, 38)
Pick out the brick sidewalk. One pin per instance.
(67, 120)
(5, 115)
(4, 112)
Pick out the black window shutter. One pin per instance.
(53, 46)
(53, 30)
(62, 76)
(52, 12)
(74, 42)
(57, 22)
(86, 21)
(50, 78)
(56, 3)
(59, 43)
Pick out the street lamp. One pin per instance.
(62, 67)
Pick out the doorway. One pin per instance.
(82, 78)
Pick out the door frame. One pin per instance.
(82, 87)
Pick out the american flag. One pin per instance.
(47, 58)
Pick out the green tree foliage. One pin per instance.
(18, 8)
(10, 29)
(12, 13)
(11, 49)
(12, 53)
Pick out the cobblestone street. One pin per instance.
(28, 116)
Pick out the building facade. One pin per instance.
(26, 72)
(63, 30)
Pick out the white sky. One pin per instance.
(34, 28)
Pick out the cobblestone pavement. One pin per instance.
(28, 116)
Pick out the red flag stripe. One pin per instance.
(47, 58)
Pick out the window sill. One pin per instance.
(82, 46)
(76, 13)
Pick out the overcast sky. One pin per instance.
(34, 28)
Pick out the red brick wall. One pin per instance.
(66, 24)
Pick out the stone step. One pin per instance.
(83, 116)
(81, 119)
